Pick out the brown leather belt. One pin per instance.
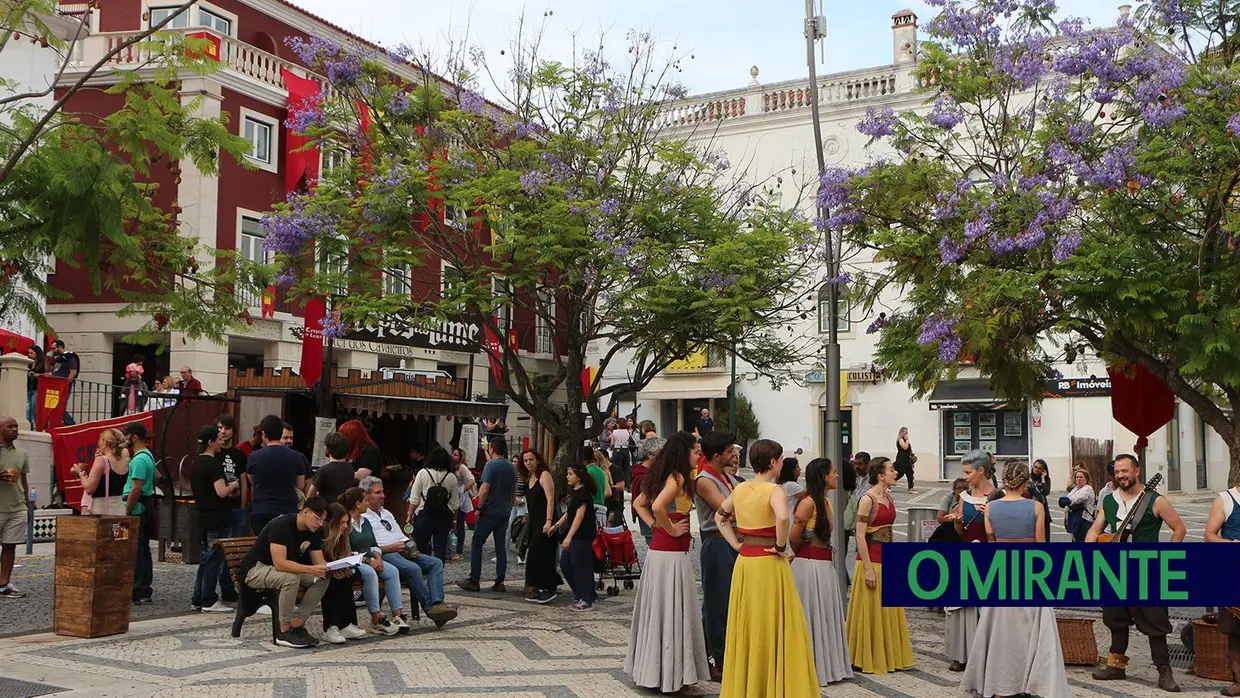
(760, 541)
(881, 535)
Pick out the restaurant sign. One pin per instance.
(456, 336)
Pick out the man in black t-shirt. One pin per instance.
(276, 473)
(212, 492)
(287, 556)
(337, 475)
(64, 364)
(234, 461)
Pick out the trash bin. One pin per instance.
(921, 523)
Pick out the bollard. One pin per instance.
(30, 521)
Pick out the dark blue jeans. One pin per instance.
(577, 564)
(431, 533)
(718, 559)
(494, 525)
(210, 564)
(144, 566)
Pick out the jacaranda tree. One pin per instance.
(1067, 190)
(566, 200)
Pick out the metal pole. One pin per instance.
(732, 397)
(832, 369)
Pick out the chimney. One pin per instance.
(904, 37)
(1125, 11)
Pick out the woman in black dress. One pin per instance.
(541, 576)
(904, 458)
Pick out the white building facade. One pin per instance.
(767, 130)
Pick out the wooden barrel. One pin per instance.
(94, 574)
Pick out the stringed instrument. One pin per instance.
(1126, 527)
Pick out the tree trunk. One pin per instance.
(1233, 470)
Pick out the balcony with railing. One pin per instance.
(235, 57)
(838, 91)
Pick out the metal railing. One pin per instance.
(89, 401)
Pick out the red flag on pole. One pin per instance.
(491, 344)
(312, 342)
(300, 163)
(269, 302)
(50, 401)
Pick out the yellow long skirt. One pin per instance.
(768, 652)
(878, 640)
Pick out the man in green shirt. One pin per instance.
(139, 495)
(1153, 621)
(13, 495)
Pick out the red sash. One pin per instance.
(705, 469)
(813, 552)
(666, 542)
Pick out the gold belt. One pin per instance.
(881, 535)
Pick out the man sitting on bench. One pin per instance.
(288, 556)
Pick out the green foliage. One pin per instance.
(747, 427)
(650, 246)
(80, 189)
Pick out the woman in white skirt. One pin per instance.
(814, 572)
(1016, 650)
(667, 646)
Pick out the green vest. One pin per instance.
(1146, 530)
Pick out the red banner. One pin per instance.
(490, 344)
(269, 302)
(1140, 402)
(514, 342)
(299, 162)
(13, 343)
(76, 444)
(212, 51)
(50, 401)
(312, 342)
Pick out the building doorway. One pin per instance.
(846, 433)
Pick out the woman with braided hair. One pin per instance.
(1016, 651)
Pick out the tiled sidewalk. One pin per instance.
(498, 645)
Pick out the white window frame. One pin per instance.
(274, 125)
(332, 157)
(398, 281)
(192, 16)
(843, 325)
(454, 215)
(544, 328)
(242, 215)
(503, 315)
(444, 269)
(322, 265)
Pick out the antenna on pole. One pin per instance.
(820, 32)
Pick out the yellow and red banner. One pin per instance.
(49, 402)
(76, 444)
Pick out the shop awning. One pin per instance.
(689, 387)
(964, 394)
(419, 407)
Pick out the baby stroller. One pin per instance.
(613, 546)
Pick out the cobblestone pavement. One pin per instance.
(498, 645)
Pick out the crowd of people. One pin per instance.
(771, 617)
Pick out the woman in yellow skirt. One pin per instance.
(878, 639)
(768, 652)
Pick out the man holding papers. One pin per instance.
(287, 556)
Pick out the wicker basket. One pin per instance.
(1210, 652)
(1076, 637)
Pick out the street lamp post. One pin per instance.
(815, 29)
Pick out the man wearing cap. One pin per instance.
(139, 496)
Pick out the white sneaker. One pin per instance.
(400, 623)
(263, 610)
(333, 636)
(352, 632)
(218, 607)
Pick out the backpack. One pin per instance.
(437, 498)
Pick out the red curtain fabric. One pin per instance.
(299, 164)
(1140, 401)
(312, 342)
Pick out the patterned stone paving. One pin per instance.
(499, 645)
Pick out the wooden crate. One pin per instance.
(94, 575)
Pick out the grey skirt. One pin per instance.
(1015, 651)
(819, 588)
(961, 627)
(667, 646)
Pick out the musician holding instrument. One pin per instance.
(1223, 526)
(1136, 512)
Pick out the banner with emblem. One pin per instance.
(50, 401)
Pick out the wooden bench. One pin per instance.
(235, 550)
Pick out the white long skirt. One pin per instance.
(667, 646)
(819, 588)
(961, 629)
(1016, 650)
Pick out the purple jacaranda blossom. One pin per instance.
(717, 281)
(834, 190)
(879, 323)
(533, 181)
(841, 218)
(964, 26)
(937, 327)
(1023, 61)
(978, 227)
(950, 251)
(949, 348)
(1114, 169)
(307, 114)
(470, 102)
(399, 103)
(1233, 125)
(609, 207)
(946, 113)
(290, 229)
(1161, 116)
(879, 122)
(477, 55)
(1079, 133)
(333, 325)
(1066, 244)
(840, 280)
(286, 277)
(676, 91)
(1171, 12)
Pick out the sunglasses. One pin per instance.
(386, 524)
